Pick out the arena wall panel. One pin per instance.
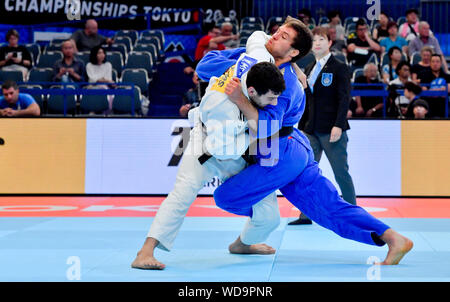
(141, 156)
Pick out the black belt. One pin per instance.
(284, 131)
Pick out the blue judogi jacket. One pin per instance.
(287, 112)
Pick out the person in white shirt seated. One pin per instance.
(99, 71)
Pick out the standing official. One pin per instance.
(325, 119)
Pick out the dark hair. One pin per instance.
(412, 10)
(10, 83)
(400, 65)
(413, 87)
(391, 51)
(391, 24)
(436, 55)
(93, 54)
(12, 32)
(305, 12)
(332, 14)
(265, 76)
(384, 13)
(360, 22)
(303, 40)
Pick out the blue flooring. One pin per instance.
(38, 249)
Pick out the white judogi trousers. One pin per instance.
(191, 178)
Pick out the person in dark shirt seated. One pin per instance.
(361, 47)
(437, 80)
(381, 31)
(14, 56)
(88, 38)
(69, 69)
(424, 64)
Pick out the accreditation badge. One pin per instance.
(327, 79)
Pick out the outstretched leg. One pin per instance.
(317, 197)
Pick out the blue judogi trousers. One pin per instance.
(300, 180)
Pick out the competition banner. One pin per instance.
(163, 13)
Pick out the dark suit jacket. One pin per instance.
(328, 105)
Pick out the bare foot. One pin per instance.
(149, 262)
(145, 258)
(238, 247)
(398, 247)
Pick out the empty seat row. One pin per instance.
(84, 104)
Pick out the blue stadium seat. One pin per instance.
(151, 40)
(94, 104)
(48, 59)
(52, 47)
(401, 20)
(131, 33)
(137, 76)
(252, 20)
(116, 60)
(40, 75)
(356, 73)
(252, 26)
(243, 41)
(125, 41)
(14, 75)
(122, 104)
(273, 20)
(35, 51)
(55, 103)
(323, 20)
(119, 48)
(83, 56)
(141, 60)
(154, 33)
(150, 48)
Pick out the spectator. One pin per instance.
(68, 69)
(437, 80)
(13, 103)
(381, 30)
(335, 21)
(88, 38)
(227, 31)
(15, 56)
(304, 15)
(423, 65)
(388, 70)
(426, 39)
(337, 46)
(98, 70)
(410, 28)
(417, 108)
(208, 43)
(403, 71)
(394, 39)
(369, 106)
(362, 47)
(395, 100)
(191, 98)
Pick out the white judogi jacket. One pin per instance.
(226, 136)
